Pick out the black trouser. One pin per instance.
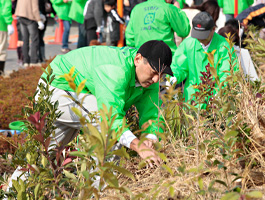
(29, 30)
(82, 36)
(91, 35)
(41, 42)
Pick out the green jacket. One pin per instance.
(229, 5)
(189, 60)
(5, 14)
(62, 9)
(76, 10)
(156, 20)
(111, 79)
(181, 3)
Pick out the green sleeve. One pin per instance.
(220, 3)
(129, 33)
(111, 91)
(177, 17)
(147, 107)
(250, 2)
(6, 12)
(179, 66)
(181, 3)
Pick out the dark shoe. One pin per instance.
(2, 66)
(66, 50)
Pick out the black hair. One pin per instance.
(230, 29)
(233, 23)
(110, 2)
(210, 6)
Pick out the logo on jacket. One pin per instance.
(149, 18)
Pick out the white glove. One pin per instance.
(10, 29)
(98, 29)
(42, 18)
(41, 25)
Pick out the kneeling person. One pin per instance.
(118, 78)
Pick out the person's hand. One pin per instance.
(40, 25)
(146, 153)
(42, 18)
(150, 143)
(10, 29)
(65, 1)
(126, 2)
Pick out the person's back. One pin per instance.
(87, 68)
(156, 20)
(229, 7)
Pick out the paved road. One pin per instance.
(51, 50)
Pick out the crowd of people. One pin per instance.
(99, 22)
(121, 77)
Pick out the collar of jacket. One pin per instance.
(198, 46)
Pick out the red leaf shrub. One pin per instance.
(13, 91)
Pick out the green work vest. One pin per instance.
(62, 9)
(229, 5)
(76, 10)
(189, 60)
(156, 20)
(110, 76)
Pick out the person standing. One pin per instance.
(43, 14)
(94, 17)
(30, 21)
(156, 20)
(76, 14)
(6, 29)
(229, 7)
(113, 23)
(62, 9)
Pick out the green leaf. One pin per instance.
(200, 183)
(72, 70)
(213, 72)
(69, 175)
(36, 190)
(79, 154)
(231, 196)
(230, 134)
(85, 174)
(254, 194)
(162, 156)
(168, 169)
(124, 171)
(121, 152)
(81, 87)
(77, 111)
(221, 182)
(16, 185)
(141, 164)
(111, 179)
(171, 191)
